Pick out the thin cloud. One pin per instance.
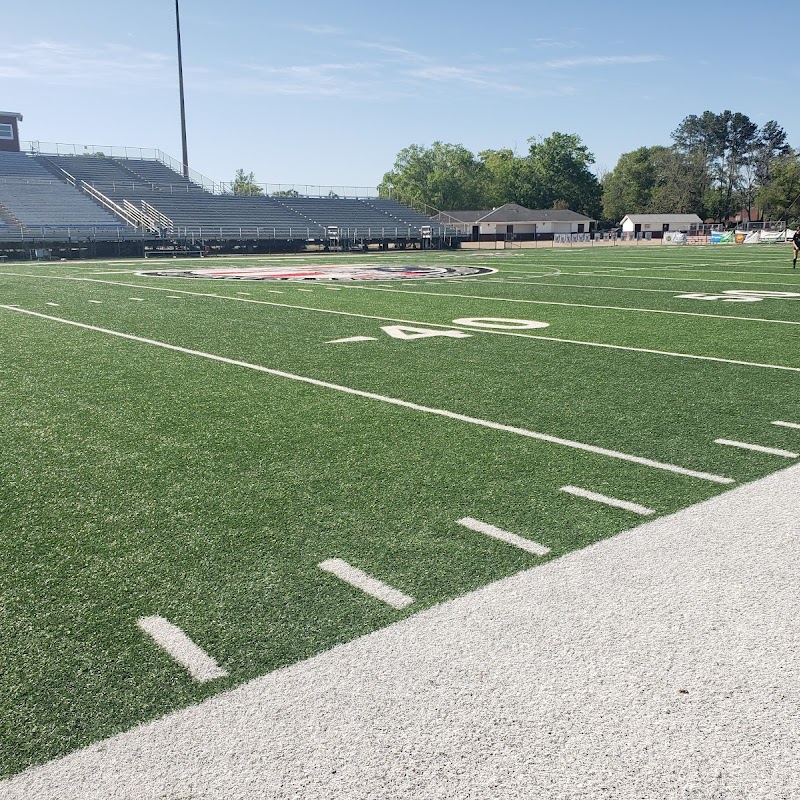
(348, 80)
(62, 64)
(318, 30)
(555, 44)
(393, 50)
(600, 61)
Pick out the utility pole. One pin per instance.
(180, 86)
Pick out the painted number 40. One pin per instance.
(737, 296)
(489, 323)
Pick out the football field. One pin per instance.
(208, 477)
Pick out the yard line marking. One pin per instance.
(55, 305)
(591, 286)
(609, 501)
(138, 299)
(305, 290)
(661, 278)
(353, 339)
(332, 288)
(174, 297)
(200, 665)
(577, 305)
(246, 294)
(369, 585)
(773, 451)
(96, 302)
(786, 424)
(579, 342)
(504, 536)
(271, 291)
(545, 437)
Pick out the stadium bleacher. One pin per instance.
(33, 198)
(140, 197)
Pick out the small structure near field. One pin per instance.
(640, 225)
(513, 222)
(9, 131)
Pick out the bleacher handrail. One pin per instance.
(162, 220)
(108, 203)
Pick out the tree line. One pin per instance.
(716, 166)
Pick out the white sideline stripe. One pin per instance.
(353, 339)
(773, 451)
(177, 644)
(371, 586)
(579, 342)
(589, 448)
(787, 424)
(609, 501)
(662, 278)
(579, 305)
(504, 536)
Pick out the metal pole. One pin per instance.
(180, 87)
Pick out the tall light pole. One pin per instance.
(180, 86)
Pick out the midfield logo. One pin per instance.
(360, 272)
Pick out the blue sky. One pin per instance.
(329, 92)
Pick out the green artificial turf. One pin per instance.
(139, 481)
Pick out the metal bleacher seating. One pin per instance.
(129, 197)
(34, 203)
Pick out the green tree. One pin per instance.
(244, 183)
(445, 176)
(771, 145)
(508, 178)
(628, 188)
(727, 143)
(680, 185)
(780, 198)
(560, 167)
(286, 193)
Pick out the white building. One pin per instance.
(515, 222)
(657, 224)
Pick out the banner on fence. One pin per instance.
(567, 238)
(721, 237)
(675, 237)
(774, 237)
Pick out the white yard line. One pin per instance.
(96, 302)
(579, 305)
(782, 424)
(608, 501)
(54, 305)
(170, 638)
(504, 536)
(773, 451)
(352, 339)
(675, 280)
(672, 292)
(367, 584)
(391, 400)
(560, 340)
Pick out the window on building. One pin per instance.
(6, 131)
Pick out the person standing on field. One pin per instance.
(796, 244)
